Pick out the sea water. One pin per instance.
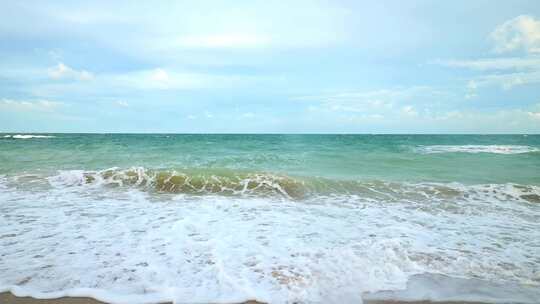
(129, 218)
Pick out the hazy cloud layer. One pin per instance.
(270, 66)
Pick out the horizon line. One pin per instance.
(260, 133)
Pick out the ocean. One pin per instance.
(144, 218)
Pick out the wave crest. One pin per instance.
(263, 184)
(194, 182)
(496, 149)
(27, 136)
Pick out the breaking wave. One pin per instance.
(27, 136)
(224, 182)
(496, 149)
(228, 236)
(264, 184)
(332, 246)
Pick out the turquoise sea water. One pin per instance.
(140, 218)
(412, 158)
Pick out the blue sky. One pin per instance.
(270, 66)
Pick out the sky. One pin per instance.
(270, 66)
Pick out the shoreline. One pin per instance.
(9, 298)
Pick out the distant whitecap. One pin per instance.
(497, 149)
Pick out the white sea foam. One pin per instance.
(497, 149)
(436, 287)
(141, 247)
(27, 136)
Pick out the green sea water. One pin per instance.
(413, 158)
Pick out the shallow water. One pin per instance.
(275, 218)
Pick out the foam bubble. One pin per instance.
(497, 149)
(134, 246)
(439, 288)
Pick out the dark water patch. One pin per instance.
(533, 198)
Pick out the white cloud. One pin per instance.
(409, 111)
(248, 115)
(486, 64)
(373, 101)
(55, 54)
(411, 119)
(520, 33)
(169, 79)
(506, 81)
(159, 79)
(26, 105)
(159, 75)
(126, 83)
(62, 71)
(499, 121)
(535, 115)
(122, 103)
(472, 85)
(150, 30)
(471, 95)
(376, 116)
(378, 107)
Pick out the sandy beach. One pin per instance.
(9, 298)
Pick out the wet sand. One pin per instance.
(8, 298)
